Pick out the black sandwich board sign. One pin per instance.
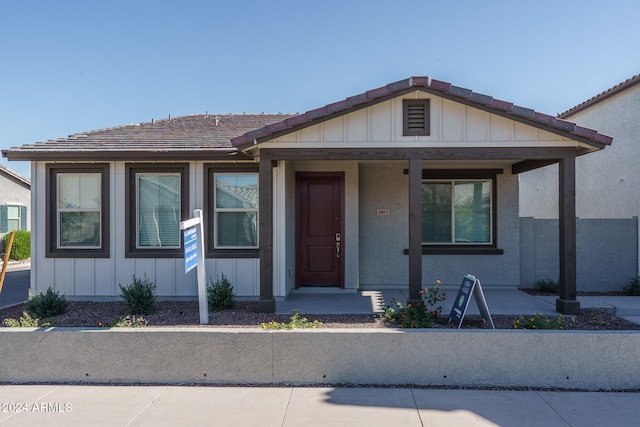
(469, 285)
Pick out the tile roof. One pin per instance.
(602, 96)
(427, 84)
(202, 136)
(14, 175)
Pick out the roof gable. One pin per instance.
(14, 176)
(621, 87)
(431, 86)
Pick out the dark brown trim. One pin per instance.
(416, 117)
(452, 153)
(51, 222)
(145, 155)
(529, 165)
(459, 173)
(415, 230)
(209, 202)
(567, 302)
(267, 303)
(130, 207)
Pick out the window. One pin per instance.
(13, 218)
(157, 203)
(415, 117)
(77, 224)
(232, 201)
(459, 211)
(456, 212)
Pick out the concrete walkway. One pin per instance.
(54, 405)
(507, 302)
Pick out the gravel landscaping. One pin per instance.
(186, 314)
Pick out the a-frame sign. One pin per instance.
(470, 285)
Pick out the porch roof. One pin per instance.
(436, 87)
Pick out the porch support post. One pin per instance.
(567, 302)
(267, 303)
(415, 230)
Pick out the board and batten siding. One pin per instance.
(98, 278)
(452, 125)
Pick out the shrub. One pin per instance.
(139, 295)
(296, 322)
(633, 288)
(26, 321)
(220, 295)
(127, 321)
(21, 246)
(420, 315)
(541, 321)
(548, 285)
(48, 304)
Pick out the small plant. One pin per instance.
(220, 295)
(47, 304)
(21, 246)
(633, 288)
(26, 321)
(548, 285)
(541, 321)
(139, 295)
(421, 315)
(296, 322)
(127, 321)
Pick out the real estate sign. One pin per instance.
(470, 285)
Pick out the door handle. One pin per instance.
(337, 249)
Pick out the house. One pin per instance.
(395, 187)
(15, 199)
(607, 197)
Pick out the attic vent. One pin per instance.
(415, 117)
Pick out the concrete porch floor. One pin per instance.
(500, 302)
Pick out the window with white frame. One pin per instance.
(158, 210)
(79, 210)
(76, 219)
(156, 204)
(457, 212)
(14, 217)
(236, 210)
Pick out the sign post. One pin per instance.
(194, 258)
(470, 285)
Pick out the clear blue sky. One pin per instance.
(74, 66)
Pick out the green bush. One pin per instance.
(26, 321)
(220, 295)
(127, 321)
(633, 288)
(420, 315)
(139, 296)
(295, 322)
(48, 304)
(541, 321)
(21, 247)
(548, 285)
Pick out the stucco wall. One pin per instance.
(607, 181)
(384, 238)
(606, 257)
(13, 192)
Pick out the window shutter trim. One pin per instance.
(4, 219)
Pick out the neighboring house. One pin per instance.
(15, 199)
(607, 195)
(395, 187)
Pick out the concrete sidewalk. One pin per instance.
(71, 405)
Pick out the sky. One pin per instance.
(73, 66)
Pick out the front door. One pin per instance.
(319, 228)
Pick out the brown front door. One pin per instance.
(319, 228)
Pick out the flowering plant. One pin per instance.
(420, 315)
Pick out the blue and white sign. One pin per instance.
(190, 249)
